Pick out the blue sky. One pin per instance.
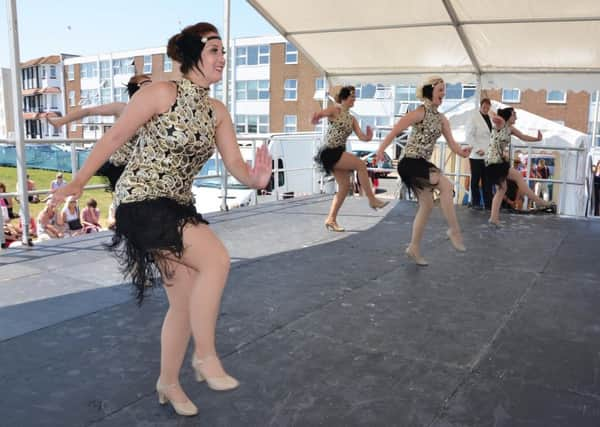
(92, 27)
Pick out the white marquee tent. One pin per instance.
(507, 43)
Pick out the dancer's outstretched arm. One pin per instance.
(112, 109)
(329, 112)
(447, 132)
(155, 99)
(516, 132)
(358, 131)
(256, 176)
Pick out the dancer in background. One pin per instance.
(158, 230)
(418, 173)
(498, 168)
(113, 168)
(334, 159)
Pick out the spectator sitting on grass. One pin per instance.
(58, 182)
(69, 217)
(46, 222)
(90, 217)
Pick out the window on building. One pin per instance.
(120, 94)
(454, 91)
(319, 83)
(252, 55)
(89, 97)
(291, 54)
(469, 90)
(405, 100)
(290, 123)
(147, 64)
(511, 95)
(366, 91)
(264, 53)
(71, 72)
(383, 92)
(251, 89)
(104, 70)
(251, 123)
(43, 71)
(54, 102)
(72, 98)
(52, 71)
(167, 64)
(290, 90)
(556, 97)
(89, 70)
(105, 95)
(73, 126)
(123, 66)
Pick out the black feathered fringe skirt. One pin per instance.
(497, 173)
(112, 173)
(327, 157)
(146, 234)
(415, 173)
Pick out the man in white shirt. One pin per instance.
(479, 131)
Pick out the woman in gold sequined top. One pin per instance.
(334, 159)
(418, 173)
(114, 166)
(158, 230)
(498, 168)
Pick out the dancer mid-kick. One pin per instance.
(418, 173)
(498, 168)
(333, 157)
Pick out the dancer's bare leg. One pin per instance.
(349, 162)
(176, 329)
(447, 203)
(515, 176)
(342, 178)
(425, 200)
(497, 202)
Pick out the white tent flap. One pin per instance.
(386, 41)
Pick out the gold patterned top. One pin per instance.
(499, 144)
(424, 134)
(124, 153)
(172, 147)
(339, 130)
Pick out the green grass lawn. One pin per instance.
(43, 178)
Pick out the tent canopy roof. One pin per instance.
(509, 43)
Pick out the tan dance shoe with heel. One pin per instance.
(458, 245)
(419, 260)
(187, 409)
(333, 226)
(221, 383)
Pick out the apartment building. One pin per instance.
(102, 79)
(42, 90)
(7, 124)
(274, 88)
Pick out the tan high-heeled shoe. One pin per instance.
(419, 260)
(379, 204)
(187, 409)
(458, 245)
(333, 226)
(222, 383)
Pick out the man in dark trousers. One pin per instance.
(478, 135)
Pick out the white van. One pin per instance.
(293, 160)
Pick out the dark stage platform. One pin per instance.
(322, 329)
